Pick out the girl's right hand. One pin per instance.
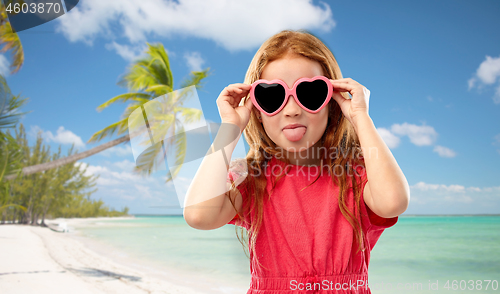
(228, 104)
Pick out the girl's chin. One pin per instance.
(296, 146)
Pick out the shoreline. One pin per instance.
(199, 281)
(37, 259)
(402, 215)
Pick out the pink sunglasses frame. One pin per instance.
(292, 92)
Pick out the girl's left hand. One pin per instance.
(358, 104)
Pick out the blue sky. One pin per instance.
(433, 69)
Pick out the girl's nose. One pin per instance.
(291, 108)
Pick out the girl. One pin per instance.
(312, 210)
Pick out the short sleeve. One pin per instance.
(238, 172)
(374, 221)
(377, 222)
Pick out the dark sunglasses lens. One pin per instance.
(269, 96)
(312, 94)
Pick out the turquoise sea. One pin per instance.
(420, 254)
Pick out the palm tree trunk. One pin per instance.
(70, 159)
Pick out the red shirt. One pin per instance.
(305, 242)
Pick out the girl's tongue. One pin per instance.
(294, 134)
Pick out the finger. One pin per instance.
(243, 87)
(339, 98)
(227, 97)
(233, 90)
(346, 80)
(346, 87)
(236, 91)
(248, 104)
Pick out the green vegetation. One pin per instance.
(60, 192)
(10, 41)
(146, 79)
(36, 184)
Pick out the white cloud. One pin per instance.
(4, 66)
(487, 74)
(419, 135)
(109, 177)
(444, 188)
(95, 170)
(194, 61)
(129, 53)
(145, 191)
(471, 82)
(453, 199)
(34, 130)
(62, 136)
(444, 152)
(82, 166)
(489, 70)
(459, 198)
(439, 193)
(389, 138)
(231, 24)
(117, 180)
(125, 165)
(120, 150)
(65, 137)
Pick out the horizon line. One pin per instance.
(451, 214)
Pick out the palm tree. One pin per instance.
(10, 41)
(146, 79)
(10, 154)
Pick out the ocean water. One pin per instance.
(420, 254)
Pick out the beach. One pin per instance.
(162, 254)
(36, 259)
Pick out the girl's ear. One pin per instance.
(259, 116)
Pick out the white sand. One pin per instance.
(38, 260)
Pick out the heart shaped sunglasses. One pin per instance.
(312, 94)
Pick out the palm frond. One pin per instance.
(139, 97)
(195, 78)
(160, 126)
(138, 76)
(130, 108)
(10, 155)
(160, 64)
(11, 41)
(151, 160)
(120, 127)
(13, 205)
(159, 90)
(9, 105)
(180, 146)
(189, 115)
